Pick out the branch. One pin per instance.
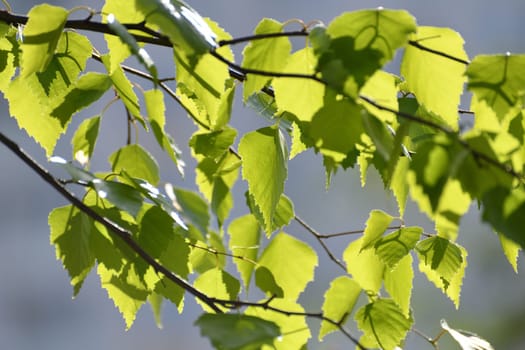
(235, 304)
(124, 235)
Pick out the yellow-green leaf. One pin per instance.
(365, 266)
(399, 283)
(245, 233)
(377, 224)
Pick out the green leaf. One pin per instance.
(511, 251)
(41, 34)
(264, 156)
(377, 224)
(399, 283)
(124, 89)
(383, 321)
(9, 59)
(284, 212)
(245, 234)
(33, 98)
(207, 84)
(155, 301)
(440, 255)
(76, 173)
(213, 144)
(125, 11)
(504, 209)
(291, 262)
(128, 39)
(381, 87)
(294, 330)
(418, 67)
(498, 80)
(126, 289)
(216, 283)
(71, 232)
(267, 55)
(310, 100)
(215, 181)
(265, 281)
(155, 230)
(194, 209)
(339, 301)
(185, 28)
(121, 195)
(336, 128)
(358, 43)
(154, 100)
(365, 266)
(84, 139)
(396, 245)
(136, 162)
(237, 332)
(87, 89)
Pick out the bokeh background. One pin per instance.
(36, 307)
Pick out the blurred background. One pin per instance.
(36, 307)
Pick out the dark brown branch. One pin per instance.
(235, 304)
(124, 235)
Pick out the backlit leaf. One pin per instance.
(339, 301)
(442, 96)
(365, 266)
(294, 329)
(126, 289)
(41, 34)
(213, 144)
(217, 283)
(377, 224)
(121, 195)
(237, 332)
(70, 234)
(194, 208)
(245, 233)
(264, 156)
(498, 80)
(396, 245)
(9, 59)
(267, 55)
(85, 138)
(291, 262)
(383, 320)
(136, 162)
(399, 283)
(511, 251)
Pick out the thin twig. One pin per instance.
(418, 45)
(355, 232)
(116, 230)
(247, 38)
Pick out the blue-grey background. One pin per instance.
(36, 308)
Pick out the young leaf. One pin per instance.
(383, 320)
(155, 109)
(217, 283)
(213, 144)
(194, 209)
(358, 44)
(441, 255)
(237, 332)
(136, 162)
(32, 98)
(377, 223)
(284, 212)
(245, 233)
(87, 89)
(294, 330)
(155, 230)
(396, 245)
(339, 301)
(264, 156)
(155, 301)
(511, 251)
(128, 39)
(291, 262)
(267, 55)
(9, 59)
(365, 267)
(498, 80)
(467, 340)
(381, 87)
(121, 195)
(71, 232)
(450, 286)
(41, 34)
(187, 30)
(126, 289)
(310, 100)
(125, 11)
(399, 283)
(84, 139)
(419, 67)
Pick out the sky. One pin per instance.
(36, 305)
